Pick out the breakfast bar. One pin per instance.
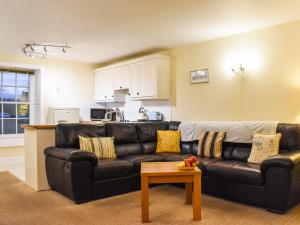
(37, 138)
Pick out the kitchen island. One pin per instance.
(37, 138)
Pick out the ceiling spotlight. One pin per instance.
(38, 49)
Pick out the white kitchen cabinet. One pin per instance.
(99, 87)
(134, 80)
(151, 79)
(147, 77)
(121, 79)
(104, 87)
(109, 85)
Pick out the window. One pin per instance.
(14, 101)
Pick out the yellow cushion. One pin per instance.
(264, 146)
(168, 141)
(210, 144)
(103, 147)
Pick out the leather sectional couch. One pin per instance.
(79, 175)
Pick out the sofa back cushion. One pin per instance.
(67, 135)
(128, 149)
(147, 134)
(123, 133)
(230, 151)
(190, 147)
(173, 125)
(236, 151)
(290, 136)
(125, 138)
(290, 140)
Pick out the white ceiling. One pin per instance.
(102, 30)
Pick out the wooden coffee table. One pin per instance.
(168, 172)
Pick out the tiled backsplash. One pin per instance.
(131, 107)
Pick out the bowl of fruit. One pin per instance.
(188, 164)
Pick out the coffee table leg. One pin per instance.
(197, 198)
(145, 199)
(188, 193)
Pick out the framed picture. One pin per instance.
(199, 76)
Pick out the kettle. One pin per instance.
(142, 115)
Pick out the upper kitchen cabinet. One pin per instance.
(151, 78)
(99, 90)
(122, 79)
(148, 77)
(104, 87)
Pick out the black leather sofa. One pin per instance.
(79, 175)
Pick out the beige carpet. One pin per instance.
(20, 204)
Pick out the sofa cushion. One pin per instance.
(236, 171)
(210, 144)
(236, 151)
(128, 149)
(149, 147)
(66, 134)
(290, 139)
(168, 141)
(190, 147)
(240, 153)
(138, 159)
(123, 133)
(112, 168)
(263, 147)
(204, 161)
(147, 132)
(174, 125)
(102, 147)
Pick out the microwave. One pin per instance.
(98, 113)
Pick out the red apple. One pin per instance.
(187, 163)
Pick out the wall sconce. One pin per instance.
(239, 71)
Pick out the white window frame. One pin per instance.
(35, 95)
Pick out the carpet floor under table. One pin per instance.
(19, 204)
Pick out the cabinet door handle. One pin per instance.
(129, 94)
(112, 96)
(105, 96)
(137, 93)
(120, 87)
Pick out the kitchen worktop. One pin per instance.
(52, 126)
(39, 126)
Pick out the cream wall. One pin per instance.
(269, 90)
(64, 83)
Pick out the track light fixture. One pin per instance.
(32, 49)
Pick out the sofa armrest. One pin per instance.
(282, 181)
(285, 160)
(70, 172)
(71, 154)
